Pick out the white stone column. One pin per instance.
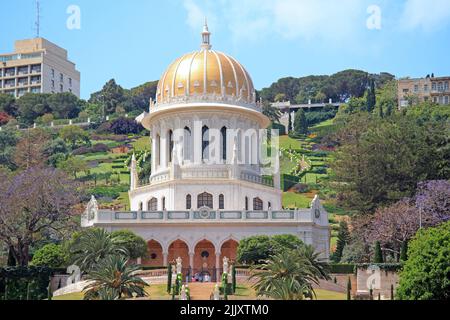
(191, 259)
(154, 151)
(165, 258)
(139, 261)
(218, 279)
(163, 148)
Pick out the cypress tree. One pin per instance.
(233, 277)
(169, 278)
(371, 97)
(300, 122)
(343, 239)
(349, 289)
(392, 292)
(378, 256)
(289, 122)
(404, 251)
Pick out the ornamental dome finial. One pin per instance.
(206, 35)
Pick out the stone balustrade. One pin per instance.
(199, 216)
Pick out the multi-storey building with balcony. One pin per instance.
(37, 66)
(432, 88)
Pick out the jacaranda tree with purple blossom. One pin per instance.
(34, 202)
(394, 225)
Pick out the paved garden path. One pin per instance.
(201, 291)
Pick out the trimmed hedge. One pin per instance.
(341, 268)
(383, 266)
(25, 283)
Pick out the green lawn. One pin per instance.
(156, 292)
(296, 200)
(143, 143)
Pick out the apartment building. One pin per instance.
(38, 66)
(430, 88)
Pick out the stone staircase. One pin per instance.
(201, 291)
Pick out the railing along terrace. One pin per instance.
(204, 215)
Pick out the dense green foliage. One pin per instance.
(51, 255)
(300, 122)
(135, 245)
(380, 161)
(425, 275)
(254, 249)
(339, 87)
(24, 283)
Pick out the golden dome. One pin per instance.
(206, 75)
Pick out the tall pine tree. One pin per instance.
(371, 97)
(300, 122)
(343, 239)
(378, 255)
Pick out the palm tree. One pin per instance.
(290, 274)
(92, 246)
(114, 279)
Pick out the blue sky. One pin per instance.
(134, 41)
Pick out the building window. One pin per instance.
(246, 203)
(53, 73)
(446, 86)
(61, 77)
(170, 145)
(205, 143)
(70, 81)
(187, 143)
(269, 205)
(223, 141)
(425, 88)
(141, 206)
(152, 205)
(61, 88)
(164, 203)
(405, 90)
(53, 83)
(221, 202)
(416, 88)
(433, 86)
(158, 150)
(205, 200)
(257, 204)
(446, 100)
(188, 202)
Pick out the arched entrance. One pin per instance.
(154, 254)
(179, 248)
(229, 250)
(204, 262)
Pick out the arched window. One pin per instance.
(188, 202)
(269, 205)
(170, 135)
(246, 203)
(257, 204)
(158, 150)
(152, 205)
(187, 144)
(205, 143)
(164, 203)
(141, 206)
(223, 143)
(221, 202)
(205, 200)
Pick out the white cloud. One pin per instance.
(428, 15)
(254, 19)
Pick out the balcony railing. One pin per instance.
(194, 216)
